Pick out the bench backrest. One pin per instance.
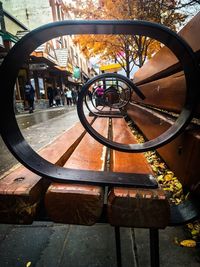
(162, 81)
(164, 71)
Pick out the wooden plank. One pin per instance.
(126, 162)
(61, 148)
(134, 207)
(182, 154)
(21, 191)
(165, 60)
(80, 204)
(90, 154)
(163, 93)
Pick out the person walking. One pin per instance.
(29, 93)
(50, 95)
(74, 96)
(68, 95)
(57, 96)
(62, 94)
(99, 92)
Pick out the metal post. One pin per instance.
(154, 247)
(118, 246)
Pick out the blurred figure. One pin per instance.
(62, 94)
(74, 96)
(99, 92)
(50, 95)
(68, 95)
(57, 96)
(29, 93)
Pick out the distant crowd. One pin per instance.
(56, 96)
(61, 96)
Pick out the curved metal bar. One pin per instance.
(122, 102)
(105, 103)
(20, 53)
(90, 110)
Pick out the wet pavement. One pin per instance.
(25, 119)
(57, 245)
(39, 128)
(47, 244)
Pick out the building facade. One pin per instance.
(53, 63)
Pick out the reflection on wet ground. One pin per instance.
(38, 128)
(27, 120)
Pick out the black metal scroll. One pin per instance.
(20, 53)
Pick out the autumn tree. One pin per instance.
(127, 50)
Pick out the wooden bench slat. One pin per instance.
(89, 151)
(80, 204)
(126, 162)
(60, 149)
(163, 93)
(165, 59)
(134, 207)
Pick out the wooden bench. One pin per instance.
(163, 83)
(22, 192)
(26, 197)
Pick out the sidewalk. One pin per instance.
(45, 244)
(39, 129)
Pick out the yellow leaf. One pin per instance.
(28, 264)
(162, 165)
(188, 243)
(160, 178)
(168, 177)
(178, 185)
(190, 226)
(194, 232)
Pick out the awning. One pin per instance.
(9, 37)
(43, 57)
(111, 67)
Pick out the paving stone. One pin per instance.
(170, 253)
(58, 245)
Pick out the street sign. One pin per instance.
(38, 66)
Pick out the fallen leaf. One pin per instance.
(188, 243)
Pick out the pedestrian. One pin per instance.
(99, 92)
(62, 94)
(74, 96)
(29, 93)
(50, 95)
(57, 96)
(68, 95)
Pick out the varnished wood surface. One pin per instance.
(134, 207)
(126, 162)
(165, 59)
(182, 154)
(90, 154)
(80, 204)
(63, 146)
(167, 93)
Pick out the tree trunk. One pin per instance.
(127, 62)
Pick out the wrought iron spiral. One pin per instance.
(115, 97)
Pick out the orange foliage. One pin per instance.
(135, 48)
